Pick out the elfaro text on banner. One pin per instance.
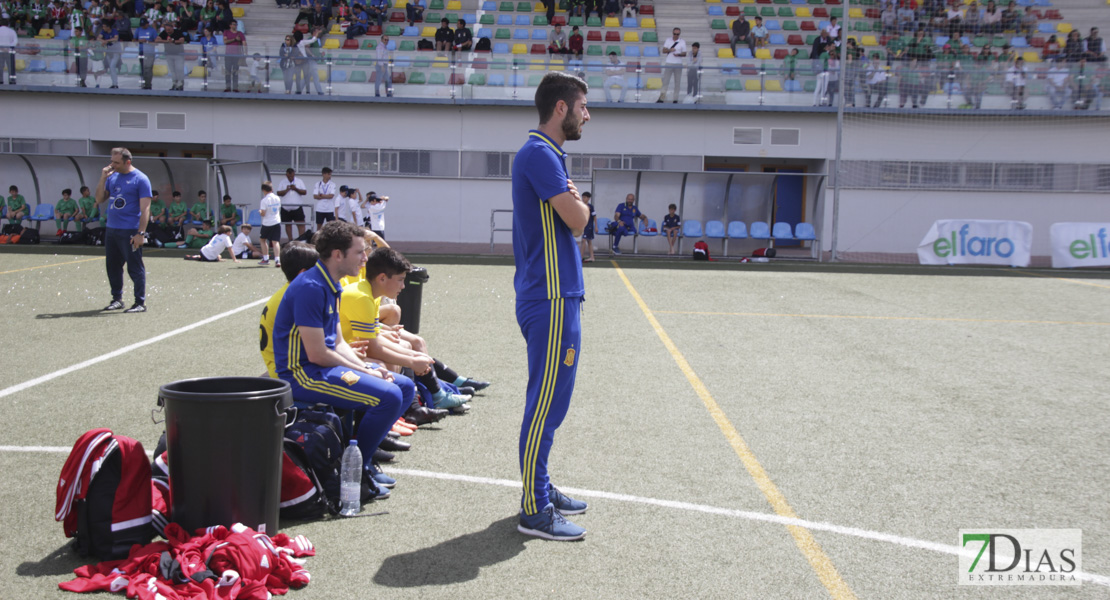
(977, 241)
(1080, 245)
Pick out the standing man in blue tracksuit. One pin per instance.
(548, 213)
(127, 192)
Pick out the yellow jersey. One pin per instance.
(266, 330)
(358, 312)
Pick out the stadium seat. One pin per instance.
(784, 11)
(502, 34)
(790, 26)
(716, 11)
(523, 21)
(357, 77)
(538, 49)
(427, 32)
(777, 39)
(795, 40)
(407, 45)
(483, 32)
(651, 52)
(43, 212)
(763, 53)
(36, 66)
(715, 230)
(808, 26)
(612, 22)
(612, 36)
(752, 85)
(767, 11)
(804, 231)
(522, 34)
(504, 19)
(803, 13)
(1064, 28)
(650, 36)
(506, 7)
(724, 53)
(782, 231)
(691, 228)
(869, 40)
(500, 48)
(539, 34)
(520, 49)
(56, 66)
(760, 230)
(593, 36)
(737, 230)
(631, 36)
(718, 24)
(642, 229)
(632, 51)
(496, 79)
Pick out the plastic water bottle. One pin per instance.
(350, 481)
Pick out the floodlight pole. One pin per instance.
(843, 63)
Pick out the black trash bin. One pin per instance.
(224, 438)
(410, 298)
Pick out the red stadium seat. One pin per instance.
(374, 30)
(480, 64)
(559, 20)
(780, 53)
(647, 9)
(301, 27)
(873, 13)
(654, 68)
(632, 67)
(612, 36)
(456, 79)
(808, 26)
(593, 36)
(832, 2)
(732, 11)
(762, 1)
(1053, 14)
(397, 17)
(539, 49)
(1037, 42)
(398, 77)
(795, 39)
(821, 12)
(721, 38)
(886, 38)
(351, 44)
(748, 69)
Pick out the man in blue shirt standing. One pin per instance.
(625, 220)
(548, 213)
(146, 35)
(127, 193)
(311, 354)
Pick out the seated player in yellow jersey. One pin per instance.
(296, 257)
(386, 270)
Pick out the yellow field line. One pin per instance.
(72, 262)
(817, 558)
(875, 317)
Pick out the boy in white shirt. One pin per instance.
(243, 247)
(215, 246)
(348, 207)
(270, 208)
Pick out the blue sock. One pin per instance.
(440, 395)
(460, 381)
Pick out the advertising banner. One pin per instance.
(977, 242)
(1080, 245)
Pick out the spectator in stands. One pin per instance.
(588, 232)
(888, 19)
(576, 43)
(833, 28)
(209, 15)
(550, 12)
(312, 49)
(675, 50)
(1051, 48)
(741, 34)
(790, 65)
(360, 22)
(342, 11)
(173, 40)
(383, 67)
(219, 242)
(146, 35)
(1011, 20)
(224, 18)
(1058, 85)
(80, 56)
(229, 214)
(625, 220)
(575, 8)
(208, 44)
(907, 19)
(464, 38)
(325, 194)
(672, 225)
(176, 213)
(1073, 49)
(312, 356)
(920, 48)
(376, 9)
(235, 47)
(972, 18)
(949, 69)
(612, 8)
(693, 73)
(909, 80)
(953, 20)
(631, 9)
(273, 212)
(86, 209)
(1094, 47)
(1029, 22)
(320, 17)
(979, 73)
(992, 19)
(157, 211)
(1006, 56)
(876, 82)
(375, 213)
(614, 76)
(123, 27)
(414, 11)
(445, 36)
(255, 69)
(854, 68)
(590, 6)
(109, 40)
(821, 45)
(557, 42)
(65, 211)
(348, 207)
(288, 55)
(760, 35)
(1016, 79)
(1088, 92)
(17, 206)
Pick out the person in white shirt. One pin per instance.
(8, 41)
(834, 30)
(1015, 77)
(376, 212)
(325, 194)
(614, 75)
(348, 207)
(675, 49)
(290, 190)
(215, 246)
(243, 247)
(269, 209)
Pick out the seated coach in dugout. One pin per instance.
(311, 355)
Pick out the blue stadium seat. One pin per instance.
(43, 212)
(521, 34)
(630, 22)
(632, 51)
(594, 66)
(489, 6)
(517, 80)
(337, 76)
(523, 20)
(650, 225)
(782, 231)
(539, 34)
(651, 52)
(501, 48)
(392, 45)
(36, 66)
(411, 32)
(602, 225)
(804, 231)
(504, 19)
(485, 32)
(777, 39)
(716, 11)
(715, 230)
(792, 85)
(496, 79)
(56, 66)
(1019, 42)
(744, 52)
(254, 219)
(737, 230)
(760, 230)
(772, 25)
(691, 228)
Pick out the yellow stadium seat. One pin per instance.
(20, 64)
(773, 85)
(238, 12)
(335, 29)
(763, 53)
(612, 22)
(747, 1)
(441, 62)
(428, 32)
(648, 23)
(724, 53)
(631, 36)
(1032, 57)
(331, 44)
(557, 66)
(855, 13)
(45, 33)
(869, 40)
(537, 64)
(454, 5)
(803, 11)
(654, 83)
(520, 49)
(751, 85)
(160, 70)
(1064, 28)
(197, 72)
(400, 4)
(322, 74)
(713, 1)
(540, 8)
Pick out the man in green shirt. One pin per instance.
(65, 211)
(229, 215)
(80, 54)
(157, 211)
(17, 206)
(86, 208)
(175, 213)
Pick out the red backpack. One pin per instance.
(701, 250)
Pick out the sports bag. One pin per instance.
(701, 250)
(767, 252)
(29, 236)
(320, 438)
(71, 237)
(103, 495)
(95, 237)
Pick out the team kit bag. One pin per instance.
(701, 250)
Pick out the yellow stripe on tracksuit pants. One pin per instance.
(553, 333)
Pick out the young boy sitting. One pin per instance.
(242, 247)
(194, 238)
(229, 215)
(671, 224)
(211, 251)
(65, 211)
(175, 213)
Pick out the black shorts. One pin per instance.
(324, 217)
(246, 253)
(295, 215)
(271, 233)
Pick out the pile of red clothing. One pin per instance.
(216, 564)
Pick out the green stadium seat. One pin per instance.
(575, 21)
(435, 4)
(525, 7)
(452, 18)
(357, 77)
(539, 21)
(477, 79)
(503, 34)
(616, 49)
(437, 79)
(393, 30)
(785, 11)
(534, 79)
(593, 21)
(750, 12)
(810, 85)
(486, 19)
(837, 12)
(734, 85)
(432, 17)
(718, 24)
(593, 50)
(790, 26)
(862, 26)
(650, 36)
(810, 39)
(407, 46)
(506, 7)
(595, 81)
(767, 11)
(416, 78)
